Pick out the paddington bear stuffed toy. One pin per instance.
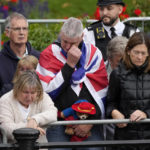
(81, 109)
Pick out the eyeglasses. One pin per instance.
(137, 53)
(18, 29)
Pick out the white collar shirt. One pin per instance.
(119, 28)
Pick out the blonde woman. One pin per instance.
(26, 105)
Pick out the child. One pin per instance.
(28, 62)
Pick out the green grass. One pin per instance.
(68, 8)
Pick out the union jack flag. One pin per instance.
(91, 71)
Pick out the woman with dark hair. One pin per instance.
(129, 92)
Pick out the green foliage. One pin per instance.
(68, 8)
(134, 4)
(41, 35)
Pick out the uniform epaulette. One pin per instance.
(96, 22)
(89, 28)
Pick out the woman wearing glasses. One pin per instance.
(129, 92)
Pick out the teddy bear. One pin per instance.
(80, 110)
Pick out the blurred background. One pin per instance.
(41, 35)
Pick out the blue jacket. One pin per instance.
(8, 64)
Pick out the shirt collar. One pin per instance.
(25, 54)
(119, 28)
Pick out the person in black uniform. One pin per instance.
(101, 32)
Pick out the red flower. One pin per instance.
(5, 7)
(97, 14)
(124, 9)
(124, 16)
(137, 11)
(14, 1)
(65, 17)
(2, 42)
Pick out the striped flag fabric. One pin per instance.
(92, 72)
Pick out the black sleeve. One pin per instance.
(67, 72)
(113, 94)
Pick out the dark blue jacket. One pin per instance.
(8, 64)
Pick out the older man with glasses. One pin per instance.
(16, 29)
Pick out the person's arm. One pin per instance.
(113, 97)
(113, 94)
(48, 112)
(54, 74)
(7, 118)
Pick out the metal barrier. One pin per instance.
(26, 137)
(131, 19)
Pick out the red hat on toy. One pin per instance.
(84, 107)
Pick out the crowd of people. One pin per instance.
(101, 72)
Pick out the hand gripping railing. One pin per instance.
(26, 137)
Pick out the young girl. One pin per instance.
(28, 62)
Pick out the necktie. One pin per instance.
(113, 34)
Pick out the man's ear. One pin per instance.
(81, 38)
(82, 35)
(7, 32)
(120, 9)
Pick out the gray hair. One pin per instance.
(72, 28)
(11, 17)
(116, 46)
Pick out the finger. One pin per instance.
(122, 125)
(42, 132)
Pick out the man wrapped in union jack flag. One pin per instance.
(71, 69)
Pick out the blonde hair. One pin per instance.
(28, 79)
(28, 60)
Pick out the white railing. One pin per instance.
(131, 19)
(103, 121)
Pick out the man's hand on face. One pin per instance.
(73, 56)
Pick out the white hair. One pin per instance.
(116, 46)
(72, 28)
(11, 17)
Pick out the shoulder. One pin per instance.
(94, 25)
(130, 29)
(32, 51)
(7, 98)
(47, 98)
(121, 70)
(3, 55)
(50, 50)
(128, 25)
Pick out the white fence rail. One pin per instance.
(103, 121)
(46, 21)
